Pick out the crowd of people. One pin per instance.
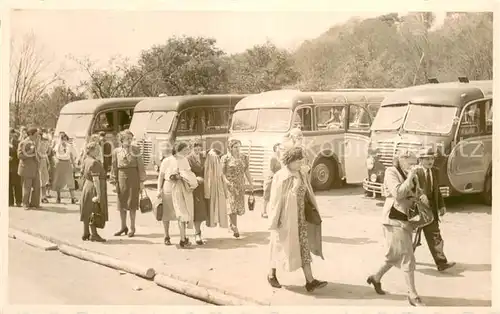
(39, 163)
(195, 187)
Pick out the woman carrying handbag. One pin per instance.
(93, 202)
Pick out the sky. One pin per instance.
(103, 34)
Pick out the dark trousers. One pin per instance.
(31, 191)
(15, 189)
(434, 241)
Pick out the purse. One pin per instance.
(420, 215)
(251, 202)
(145, 204)
(158, 209)
(96, 218)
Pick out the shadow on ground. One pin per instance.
(355, 292)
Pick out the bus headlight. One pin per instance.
(157, 168)
(373, 177)
(370, 163)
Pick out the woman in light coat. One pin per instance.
(183, 182)
(295, 223)
(216, 191)
(168, 166)
(401, 186)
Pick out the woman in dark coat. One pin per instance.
(94, 191)
(197, 164)
(127, 172)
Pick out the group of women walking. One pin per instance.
(193, 187)
(196, 187)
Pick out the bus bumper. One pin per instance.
(445, 191)
(372, 187)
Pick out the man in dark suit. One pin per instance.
(15, 187)
(29, 170)
(428, 179)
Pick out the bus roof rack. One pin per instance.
(463, 79)
(433, 80)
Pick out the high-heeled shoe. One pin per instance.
(131, 233)
(197, 238)
(86, 237)
(273, 281)
(121, 232)
(96, 238)
(166, 241)
(236, 233)
(415, 301)
(184, 243)
(376, 285)
(315, 284)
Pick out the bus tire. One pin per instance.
(323, 174)
(486, 195)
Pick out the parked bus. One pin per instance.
(160, 121)
(81, 118)
(327, 119)
(455, 118)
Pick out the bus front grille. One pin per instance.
(387, 150)
(146, 147)
(258, 158)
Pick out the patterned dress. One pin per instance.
(234, 170)
(305, 252)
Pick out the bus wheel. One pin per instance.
(323, 174)
(486, 195)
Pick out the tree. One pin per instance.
(261, 68)
(51, 104)
(28, 81)
(118, 79)
(183, 66)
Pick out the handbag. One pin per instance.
(158, 209)
(251, 202)
(145, 204)
(420, 214)
(96, 218)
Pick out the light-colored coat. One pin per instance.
(283, 219)
(182, 191)
(215, 191)
(401, 194)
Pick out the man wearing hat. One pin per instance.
(15, 189)
(428, 178)
(28, 169)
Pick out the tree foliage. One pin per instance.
(388, 51)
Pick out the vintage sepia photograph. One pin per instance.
(265, 158)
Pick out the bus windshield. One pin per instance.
(74, 125)
(429, 118)
(267, 120)
(155, 121)
(389, 118)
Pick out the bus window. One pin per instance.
(489, 117)
(104, 122)
(329, 117)
(215, 120)
(189, 122)
(470, 123)
(303, 119)
(124, 119)
(359, 118)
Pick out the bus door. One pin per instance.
(215, 122)
(189, 125)
(471, 152)
(327, 138)
(303, 119)
(356, 140)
